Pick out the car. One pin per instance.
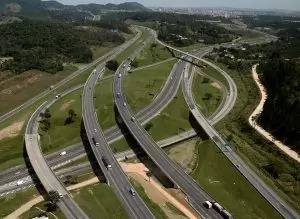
(119, 75)
(95, 130)
(63, 153)
(124, 65)
(118, 94)
(56, 97)
(20, 182)
(97, 144)
(237, 165)
(207, 204)
(132, 119)
(60, 195)
(131, 191)
(124, 104)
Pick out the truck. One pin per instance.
(226, 214)
(217, 207)
(106, 163)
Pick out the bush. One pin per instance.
(112, 65)
(285, 177)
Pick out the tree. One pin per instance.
(112, 65)
(53, 199)
(149, 174)
(71, 118)
(148, 126)
(47, 113)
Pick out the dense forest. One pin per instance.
(179, 29)
(46, 45)
(281, 114)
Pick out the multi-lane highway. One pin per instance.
(172, 170)
(46, 176)
(65, 80)
(285, 210)
(110, 167)
(77, 151)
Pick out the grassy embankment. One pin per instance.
(257, 152)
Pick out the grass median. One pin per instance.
(207, 94)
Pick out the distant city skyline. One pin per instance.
(255, 4)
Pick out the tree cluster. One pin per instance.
(45, 45)
(281, 114)
(112, 65)
(179, 29)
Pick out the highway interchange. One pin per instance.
(145, 115)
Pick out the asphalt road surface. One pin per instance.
(43, 170)
(251, 176)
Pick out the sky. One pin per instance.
(258, 4)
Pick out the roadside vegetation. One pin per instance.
(207, 94)
(99, 199)
(269, 160)
(147, 84)
(15, 200)
(222, 180)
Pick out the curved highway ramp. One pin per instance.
(43, 170)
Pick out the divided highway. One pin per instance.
(110, 167)
(172, 170)
(42, 169)
(250, 175)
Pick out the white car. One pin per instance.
(63, 153)
(124, 104)
(97, 144)
(119, 75)
(20, 182)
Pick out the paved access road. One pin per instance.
(42, 169)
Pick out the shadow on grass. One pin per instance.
(93, 162)
(140, 153)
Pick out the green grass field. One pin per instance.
(13, 201)
(206, 95)
(40, 209)
(34, 82)
(214, 73)
(152, 53)
(253, 149)
(99, 200)
(141, 86)
(222, 180)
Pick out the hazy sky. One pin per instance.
(263, 4)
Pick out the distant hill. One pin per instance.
(128, 6)
(38, 8)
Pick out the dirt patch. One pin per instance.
(66, 105)
(156, 192)
(216, 85)
(12, 130)
(14, 84)
(185, 154)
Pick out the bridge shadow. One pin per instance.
(198, 129)
(140, 153)
(37, 183)
(87, 147)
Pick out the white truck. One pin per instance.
(217, 207)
